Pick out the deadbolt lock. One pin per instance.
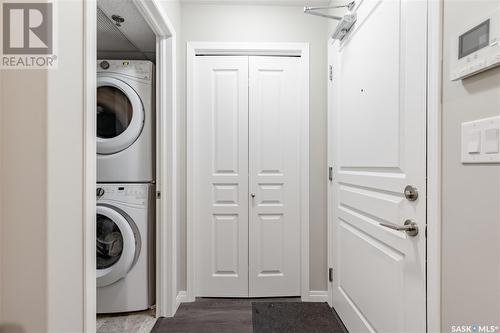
(411, 193)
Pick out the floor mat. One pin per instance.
(209, 316)
(295, 317)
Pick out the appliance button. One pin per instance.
(104, 64)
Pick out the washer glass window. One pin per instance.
(114, 112)
(109, 242)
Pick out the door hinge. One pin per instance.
(330, 73)
(330, 173)
(330, 274)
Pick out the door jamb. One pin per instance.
(249, 49)
(434, 118)
(166, 111)
(434, 115)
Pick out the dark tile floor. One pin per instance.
(211, 315)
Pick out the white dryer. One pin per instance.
(125, 247)
(125, 121)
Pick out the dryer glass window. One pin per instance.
(114, 112)
(109, 242)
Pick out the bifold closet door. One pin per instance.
(274, 176)
(246, 175)
(220, 163)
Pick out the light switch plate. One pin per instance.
(481, 141)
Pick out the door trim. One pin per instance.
(434, 115)
(166, 110)
(249, 49)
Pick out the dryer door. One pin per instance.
(117, 244)
(120, 115)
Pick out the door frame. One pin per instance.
(166, 113)
(434, 115)
(248, 49)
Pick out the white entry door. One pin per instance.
(246, 165)
(379, 149)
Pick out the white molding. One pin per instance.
(331, 161)
(304, 171)
(190, 232)
(181, 298)
(155, 16)
(434, 84)
(316, 296)
(248, 49)
(89, 160)
(287, 3)
(166, 103)
(167, 221)
(276, 49)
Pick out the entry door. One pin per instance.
(380, 148)
(246, 175)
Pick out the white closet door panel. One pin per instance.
(274, 179)
(221, 180)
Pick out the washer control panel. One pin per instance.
(124, 193)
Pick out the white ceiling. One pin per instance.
(261, 2)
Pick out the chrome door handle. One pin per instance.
(252, 195)
(410, 227)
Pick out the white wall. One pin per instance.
(41, 187)
(240, 23)
(471, 193)
(23, 243)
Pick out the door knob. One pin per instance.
(411, 193)
(410, 227)
(252, 195)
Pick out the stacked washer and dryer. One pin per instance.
(125, 241)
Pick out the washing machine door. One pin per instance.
(117, 244)
(120, 115)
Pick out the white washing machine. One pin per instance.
(125, 121)
(125, 247)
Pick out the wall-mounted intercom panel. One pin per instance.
(476, 48)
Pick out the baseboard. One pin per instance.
(313, 296)
(181, 298)
(316, 296)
